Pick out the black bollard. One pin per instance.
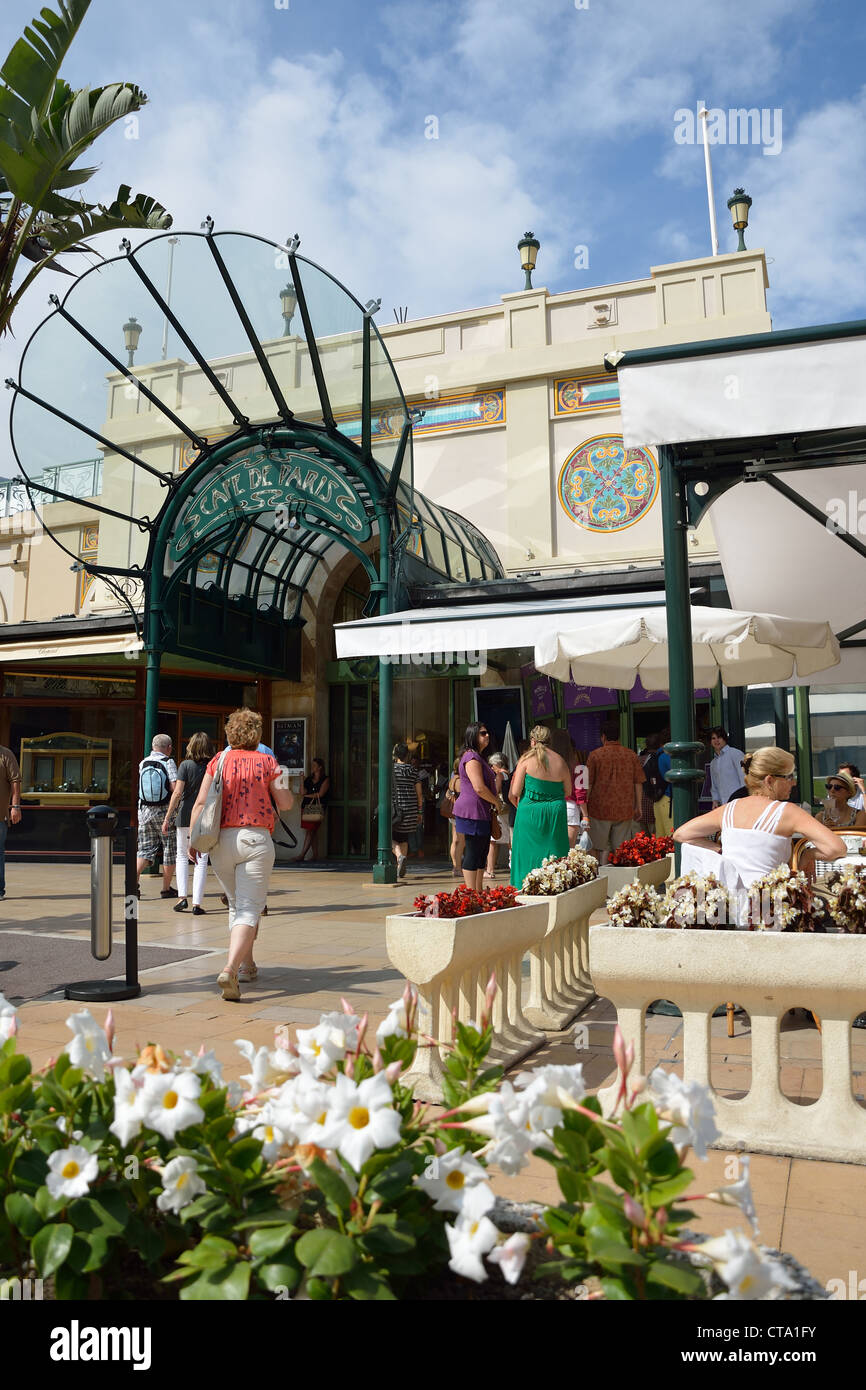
(102, 824)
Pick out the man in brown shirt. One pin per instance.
(615, 779)
(10, 804)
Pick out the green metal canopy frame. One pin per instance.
(314, 459)
(693, 476)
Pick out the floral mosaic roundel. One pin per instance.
(605, 487)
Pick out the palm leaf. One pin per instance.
(140, 211)
(33, 65)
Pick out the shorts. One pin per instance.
(572, 813)
(400, 831)
(475, 852)
(151, 838)
(609, 834)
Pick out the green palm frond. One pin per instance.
(33, 65)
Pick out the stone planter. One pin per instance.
(449, 961)
(560, 984)
(767, 973)
(655, 873)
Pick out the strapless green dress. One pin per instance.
(540, 827)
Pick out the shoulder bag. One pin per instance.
(206, 831)
(315, 811)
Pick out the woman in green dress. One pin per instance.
(538, 789)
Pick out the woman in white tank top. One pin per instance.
(756, 830)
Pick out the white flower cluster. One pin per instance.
(776, 900)
(8, 1020)
(697, 901)
(846, 902)
(557, 875)
(688, 1106)
(748, 1274)
(635, 905)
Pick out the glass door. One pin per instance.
(348, 764)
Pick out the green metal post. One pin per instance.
(803, 737)
(717, 717)
(153, 653)
(736, 725)
(385, 868)
(626, 719)
(683, 775)
(780, 717)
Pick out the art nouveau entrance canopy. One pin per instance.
(264, 431)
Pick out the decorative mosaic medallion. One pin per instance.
(605, 487)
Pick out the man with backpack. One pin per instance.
(157, 775)
(656, 763)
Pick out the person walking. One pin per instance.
(615, 781)
(475, 804)
(457, 842)
(503, 778)
(313, 806)
(407, 804)
(10, 805)
(190, 776)
(726, 769)
(243, 857)
(157, 775)
(542, 780)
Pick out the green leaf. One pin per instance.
(210, 1253)
(230, 1284)
(33, 65)
(148, 1243)
(640, 1125)
(615, 1290)
(12, 1097)
(675, 1276)
(61, 1067)
(387, 1240)
(363, 1284)
(23, 1214)
(615, 1252)
(270, 1240)
(244, 1152)
(107, 1212)
(572, 1185)
(661, 1158)
(572, 1145)
(326, 1253)
(663, 1193)
(50, 1247)
(70, 1285)
(279, 1274)
(396, 1178)
(331, 1184)
(46, 1205)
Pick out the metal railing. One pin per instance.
(80, 479)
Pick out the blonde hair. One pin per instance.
(244, 728)
(199, 749)
(765, 762)
(541, 735)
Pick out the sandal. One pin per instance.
(247, 973)
(228, 984)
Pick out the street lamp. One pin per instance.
(131, 335)
(739, 206)
(528, 248)
(289, 303)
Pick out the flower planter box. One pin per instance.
(560, 983)
(767, 973)
(449, 961)
(618, 875)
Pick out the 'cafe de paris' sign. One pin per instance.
(259, 482)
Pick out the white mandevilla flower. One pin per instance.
(206, 1064)
(739, 1194)
(361, 1119)
(517, 1124)
(511, 1256)
(268, 1067)
(128, 1106)
(89, 1048)
(322, 1047)
(689, 1106)
(741, 1266)
(263, 1126)
(300, 1109)
(395, 1024)
(170, 1102)
(71, 1171)
(181, 1184)
(544, 1086)
(472, 1235)
(448, 1177)
(8, 1020)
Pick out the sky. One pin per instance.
(411, 143)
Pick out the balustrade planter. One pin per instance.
(560, 985)
(449, 961)
(767, 973)
(655, 872)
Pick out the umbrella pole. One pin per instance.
(683, 775)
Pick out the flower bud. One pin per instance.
(109, 1030)
(634, 1211)
(392, 1071)
(378, 1060)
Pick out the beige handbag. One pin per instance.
(206, 831)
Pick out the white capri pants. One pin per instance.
(181, 870)
(242, 860)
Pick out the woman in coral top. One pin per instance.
(244, 855)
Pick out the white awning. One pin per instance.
(436, 632)
(742, 395)
(89, 644)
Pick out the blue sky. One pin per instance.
(314, 118)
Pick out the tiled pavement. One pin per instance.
(324, 938)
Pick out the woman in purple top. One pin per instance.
(475, 804)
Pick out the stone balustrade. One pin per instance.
(560, 985)
(767, 973)
(654, 873)
(449, 961)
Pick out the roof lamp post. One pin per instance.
(131, 335)
(289, 303)
(528, 247)
(739, 206)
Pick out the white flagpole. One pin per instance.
(714, 236)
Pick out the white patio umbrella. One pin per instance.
(744, 648)
(509, 747)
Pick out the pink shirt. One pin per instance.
(247, 776)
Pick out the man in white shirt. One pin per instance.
(726, 775)
(858, 800)
(157, 774)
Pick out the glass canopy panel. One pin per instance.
(337, 322)
(390, 417)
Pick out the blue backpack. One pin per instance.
(153, 785)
